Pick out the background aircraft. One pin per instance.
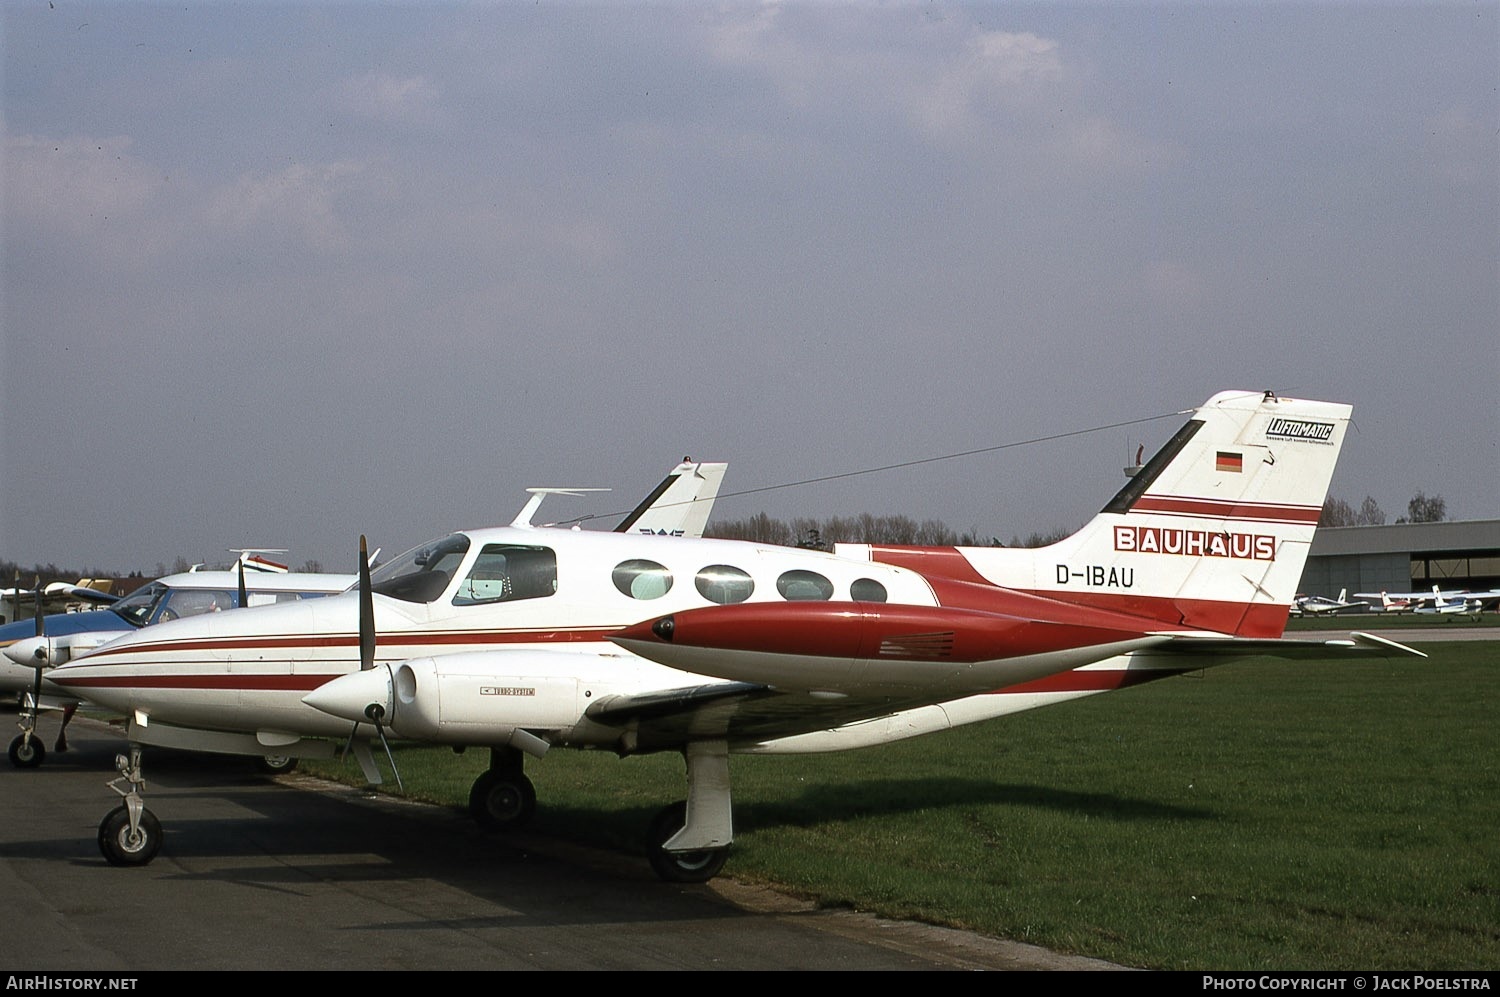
(523, 638)
(1319, 605)
(1438, 601)
(1456, 603)
(57, 597)
(182, 595)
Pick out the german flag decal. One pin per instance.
(1229, 462)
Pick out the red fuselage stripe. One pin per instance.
(352, 641)
(218, 681)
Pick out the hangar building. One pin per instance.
(1406, 557)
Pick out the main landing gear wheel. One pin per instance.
(27, 752)
(680, 867)
(501, 801)
(122, 847)
(276, 764)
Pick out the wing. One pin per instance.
(748, 713)
(68, 590)
(738, 712)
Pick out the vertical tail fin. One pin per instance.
(680, 505)
(1214, 532)
(1211, 534)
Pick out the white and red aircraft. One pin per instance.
(522, 638)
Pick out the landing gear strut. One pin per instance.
(502, 798)
(27, 750)
(129, 834)
(689, 841)
(680, 867)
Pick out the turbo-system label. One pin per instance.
(1195, 543)
(1300, 429)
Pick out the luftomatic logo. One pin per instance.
(1300, 429)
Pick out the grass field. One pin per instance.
(1257, 816)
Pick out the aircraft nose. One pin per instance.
(350, 697)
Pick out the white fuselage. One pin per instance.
(248, 671)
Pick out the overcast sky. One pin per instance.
(279, 274)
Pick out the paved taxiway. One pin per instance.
(295, 874)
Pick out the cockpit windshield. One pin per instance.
(138, 607)
(422, 573)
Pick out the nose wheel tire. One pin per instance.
(121, 847)
(27, 752)
(680, 867)
(502, 802)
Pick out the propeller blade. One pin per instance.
(366, 610)
(375, 713)
(36, 687)
(243, 602)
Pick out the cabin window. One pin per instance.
(867, 590)
(724, 584)
(138, 607)
(507, 573)
(195, 602)
(421, 574)
(799, 585)
(642, 579)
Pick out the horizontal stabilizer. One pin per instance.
(1360, 644)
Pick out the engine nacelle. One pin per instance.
(481, 697)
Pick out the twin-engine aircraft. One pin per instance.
(522, 638)
(678, 506)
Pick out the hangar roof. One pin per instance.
(1461, 536)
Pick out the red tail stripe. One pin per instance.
(1207, 508)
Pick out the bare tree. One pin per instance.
(1424, 509)
(1370, 514)
(1337, 512)
(1042, 539)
